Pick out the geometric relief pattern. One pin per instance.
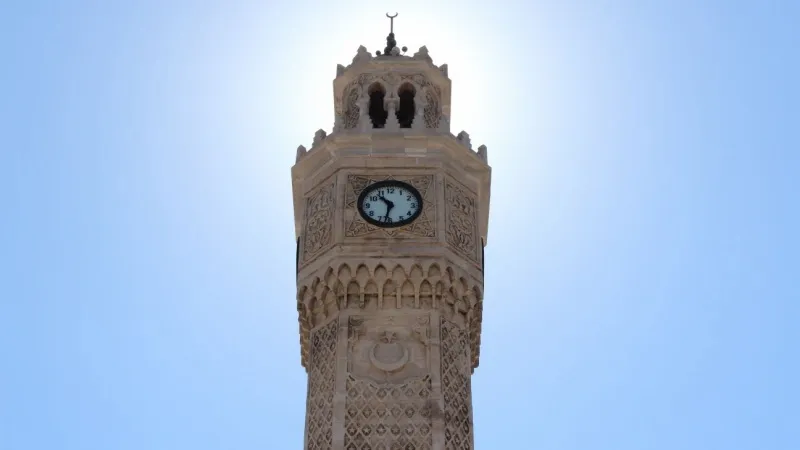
(432, 111)
(388, 417)
(371, 285)
(321, 385)
(456, 387)
(392, 81)
(352, 112)
(461, 221)
(319, 221)
(355, 225)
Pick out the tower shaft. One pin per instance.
(390, 312)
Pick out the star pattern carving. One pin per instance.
(355, 226)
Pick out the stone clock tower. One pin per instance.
(391, 214)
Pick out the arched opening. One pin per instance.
(405, 113)
(377, 114)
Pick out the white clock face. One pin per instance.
(390, 204)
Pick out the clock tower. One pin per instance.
(391, 216)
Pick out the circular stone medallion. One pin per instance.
(388, 357)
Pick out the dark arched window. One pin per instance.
(377, 113)
(405, 113)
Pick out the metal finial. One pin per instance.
(391, 22)
(391, 44)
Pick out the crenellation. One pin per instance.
(319, 138)
(301, 152)
(423, 55)
(463, 139)
(482, 154)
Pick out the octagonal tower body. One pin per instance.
(390, 318)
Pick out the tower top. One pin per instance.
(388, 77)
(391, 44)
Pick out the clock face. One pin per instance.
(390, 203)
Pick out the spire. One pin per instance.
(391, 44)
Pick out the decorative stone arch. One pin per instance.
(376, 284)
(378, 92)
(407, 92)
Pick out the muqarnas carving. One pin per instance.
(356, 226)
(319, 221)
(389, 385)
(376, 286)
(321, 385)
(460, 216)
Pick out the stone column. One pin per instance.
(391, 104)
(420, 102)
(364, 122)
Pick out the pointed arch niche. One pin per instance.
(377, 112)
(405, 113)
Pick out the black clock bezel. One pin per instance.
(388, 183)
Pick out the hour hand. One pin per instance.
(389, 203)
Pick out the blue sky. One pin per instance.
(643, 266)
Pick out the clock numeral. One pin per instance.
(413, 205)
(381, 193)
(387, 219)
(391, 190)
(366, 205)
(401, 192)
(408, 213)
(371, 213)
(408, 198)
(373, 198)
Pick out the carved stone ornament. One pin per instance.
(456, 388)
(348, 104)
(321, 386)
(423, 54)
(356, 226)
(353, 109)
(461, 220)
(301, 152)
(319, 137)
(483, 154)
(463, 139)
(319, 221)
(388, 417)
(362, 55)
(433, 108)
(388, 350)
(379, 286)
(389, 384)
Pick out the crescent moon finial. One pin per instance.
(391, 21)
(391, 43)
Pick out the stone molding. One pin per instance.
(391, 285)
(319, 211)
(397, 154)
(388, 72)
(425, 225)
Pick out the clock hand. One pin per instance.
(389, 206)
